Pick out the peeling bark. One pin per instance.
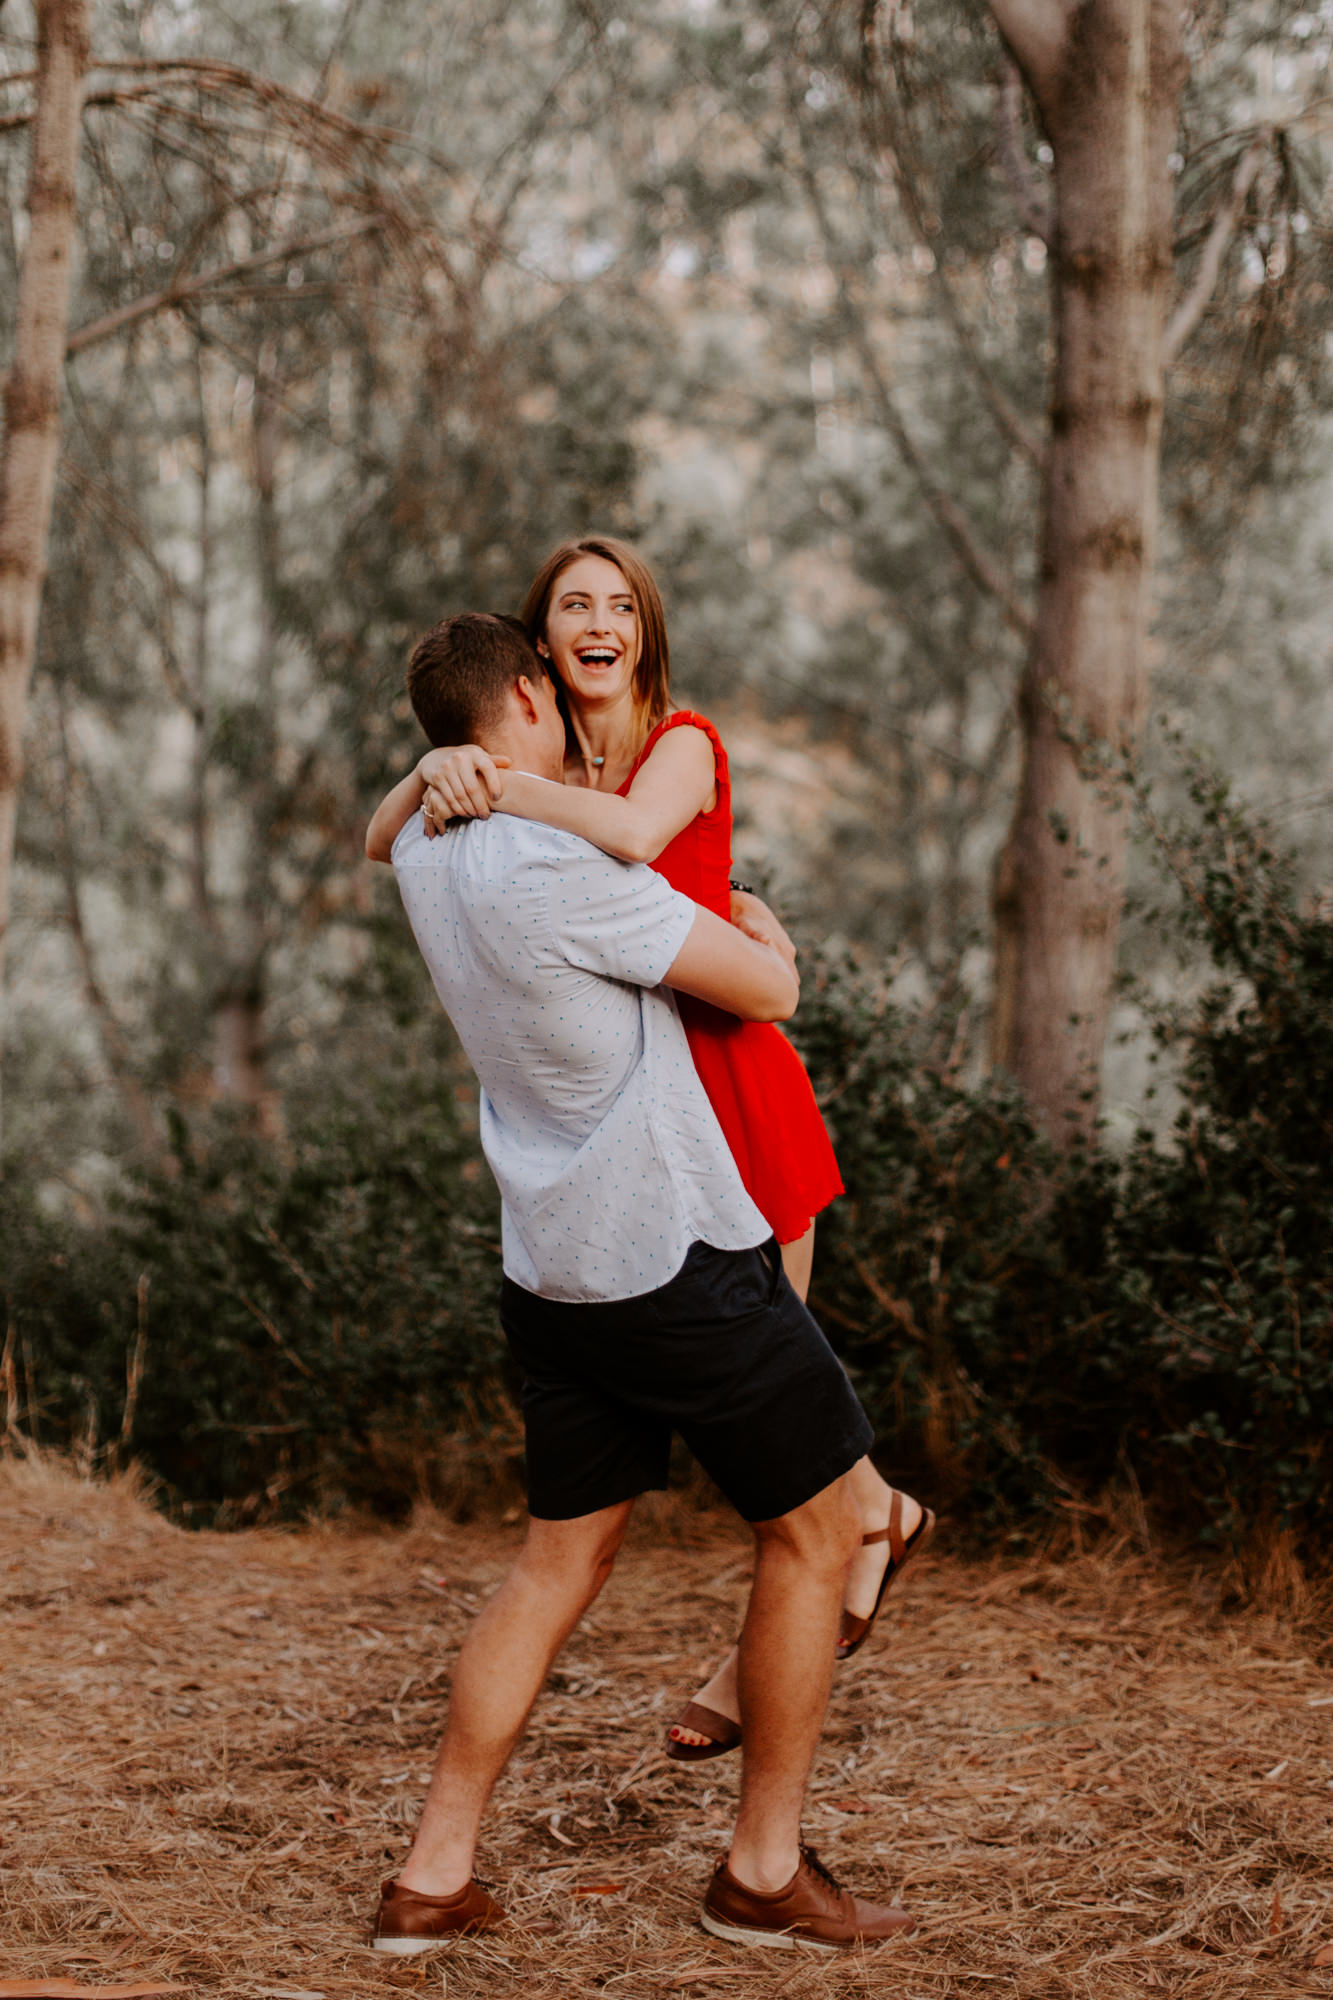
(33, 389)
(1108, 90)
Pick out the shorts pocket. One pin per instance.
(725, 1284)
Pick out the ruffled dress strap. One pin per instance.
(698, 860)
(687, 718)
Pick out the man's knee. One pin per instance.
(575, 1556)
(825, 1532)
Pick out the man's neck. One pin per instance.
(522, 758)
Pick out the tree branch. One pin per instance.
(985, 572)
(185, 289)
(1033, 207)
(893, 139)
(1195, 302)
(212, 75)
(981, 567)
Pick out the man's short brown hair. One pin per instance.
(461, 671)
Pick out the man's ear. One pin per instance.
(525, 694)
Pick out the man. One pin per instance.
(642, 1294)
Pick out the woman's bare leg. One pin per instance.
(872, 1496)
(798, 1261)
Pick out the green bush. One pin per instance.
(962, 1274)
(1026, 1327)
(1224, 1239)
(290, 1328)
(299, 1327)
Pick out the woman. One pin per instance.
(646, 782)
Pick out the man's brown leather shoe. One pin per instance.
(813, 1910)
(408, 1922)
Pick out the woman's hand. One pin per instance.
(460, 783)
(753, 916)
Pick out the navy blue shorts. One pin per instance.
(725, 1353)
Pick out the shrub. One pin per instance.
(1026, 1326)
(961, 1274)
(1224, 1241)
(272, 1331)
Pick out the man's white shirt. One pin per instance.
(548, 957)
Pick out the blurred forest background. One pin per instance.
(371, 304)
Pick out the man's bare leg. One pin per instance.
(719, 1692)
(786, 1664)
(503, 1663)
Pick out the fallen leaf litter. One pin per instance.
(1086, 1780)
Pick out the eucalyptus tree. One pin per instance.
(1049, 250)
(325, 375)
(266, 175)
(1108, 86)
(32, 387)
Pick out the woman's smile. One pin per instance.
(592, 629)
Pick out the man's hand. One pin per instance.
(461, 783)
(753, 916)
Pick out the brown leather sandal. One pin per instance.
(723, 1734)
(855, 1631)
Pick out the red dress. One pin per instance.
(756, 1082)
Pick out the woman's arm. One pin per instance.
(392, 814)
(677, 781)
(469, 784)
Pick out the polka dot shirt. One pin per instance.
(548, 957)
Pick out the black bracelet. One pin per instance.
(742, 888)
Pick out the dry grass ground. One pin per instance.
(1085, 1778)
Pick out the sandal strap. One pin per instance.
(897, 1543)
(893, 1534)
(707, 1722)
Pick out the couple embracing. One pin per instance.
(661, 1161)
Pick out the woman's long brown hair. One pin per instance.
(652, 674)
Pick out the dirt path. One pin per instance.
(1083, 1779)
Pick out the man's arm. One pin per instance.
(720, 964)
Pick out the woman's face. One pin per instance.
(592, 630)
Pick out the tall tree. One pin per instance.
(33, 389)
(1107, 77)
(259, 187)
(278, 463)
(1142, 168)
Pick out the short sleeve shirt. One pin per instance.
(548, 956)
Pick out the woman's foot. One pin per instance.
(905, 1533)
(873, 1558)
(878, 1504)
(720, 1694)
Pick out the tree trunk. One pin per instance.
(240, 1027)
(239, 1055)
(1106, 76)
(32, 392)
